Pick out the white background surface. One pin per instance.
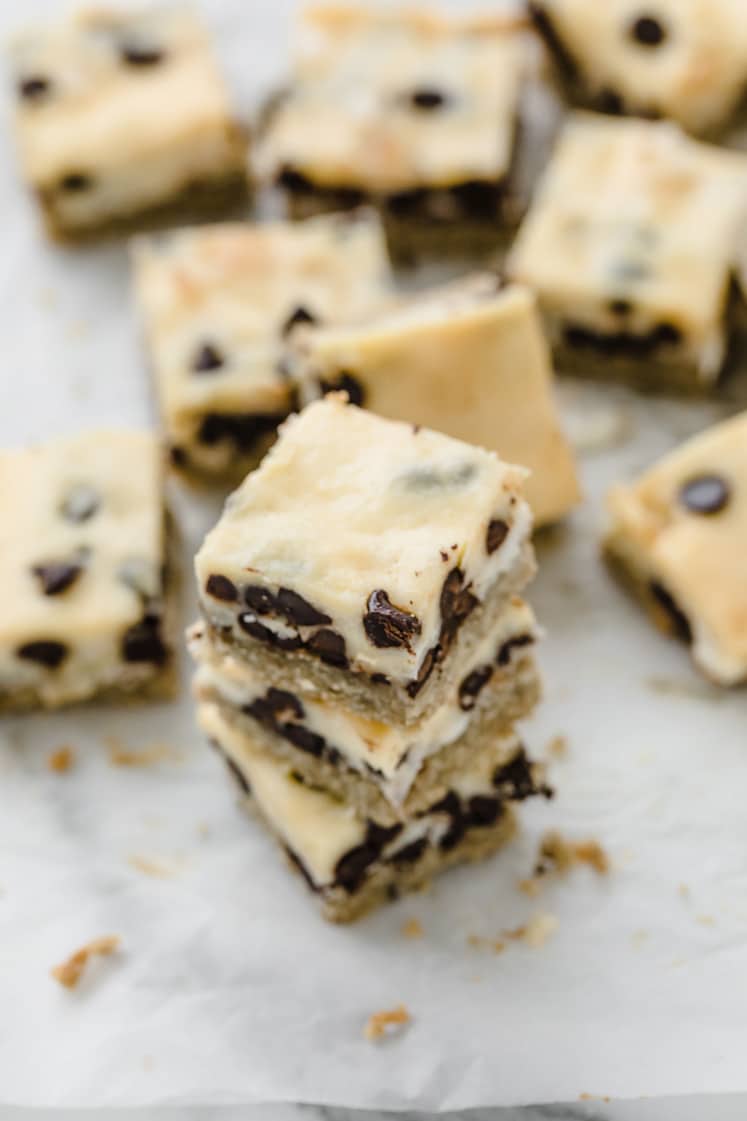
(230, 990)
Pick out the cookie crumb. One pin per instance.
(531, 887)
(156, 868)
(557, 748)
(69, 972)
(538, 930)
(386, 1023)
(122, 756)
(62, 759)
(558, 855)
(585, 1097)
(413, 929)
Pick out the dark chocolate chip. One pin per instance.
(478, 199)
(303, 738)
(380, 679)
(298, 610)
(351, 868)
(705, 494)
(609, 101)
(241, 429)
(47, 652)
(220, 587)
(386, 624)
(514, 781)
(678, 621)
(410, 853)
(75, 182)
(282, 701)
(428, 98)
(496, 535)
(472, 685)
(329, 646)
(259, 599)
(178, 456)
(56, 577)
(80, 504)
(347, 383)
(456, 602)
(256, 629)
(667, 334)
(482, 811)
(426, 669)
(137, 54)
(449, 804)
(503, 657)
(647, 31)
(142, 642)
(34, 88)
(295, 181)
(297, 316)
(407, 204)
(381, 835)
(622, 344)
(207, 359)
(620, 307)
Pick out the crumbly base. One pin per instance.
(514, 694)
(204, 200)
(387, 702)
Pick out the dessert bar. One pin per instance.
(220, 305)
(84, 572)
(411, 109)
(631, 244)
(123, 117)
(678, 537)
(369, 556)
(468, 359)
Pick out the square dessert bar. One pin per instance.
(388, 771)
(631, 244)
(678, 535)
(219, 306)
(354, 863)
(368, 557)
(414, 110)
(122, 116)
(84, 572)
(684, 59)
(467, 359)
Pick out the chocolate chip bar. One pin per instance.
(353, 862)
(83, 568)
(368, 556)
(631, 244)
(678, 534)
(406, 108)
(684, 59)
(220, 306)
(388, 771)
(402, 364)
(123, 117)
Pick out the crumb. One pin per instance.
(412, 929)
(498, 946)
(444, 555)
(122, 756)
(531, 887)
(557, 748)
(382, 1024)
(61, 759)
(156, 868)
(536, 932)
(69, 972)
(592, 853)
(559, 856)
(475, 941)
(594, 1097)
(706, 920)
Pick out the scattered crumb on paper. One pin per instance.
(413, 928)
(536, 931)
(557, 748)
(159, 869)
(556, 854)
(477, 942)
(69, 972)
(386, 1023)
(585, 1097)
(120, 755)
(61, 759)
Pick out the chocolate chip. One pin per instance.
(75, 182)
(33, 88)
(298, 316)
(207, 359)
(647, 31)
(347, 383)
(303, 738)
(259, 599)
(515, 780)
(352, 867)
(142, 642)
(47, 652)
(329, 646)
(283, 701)
(426, 669)
(609, 101)
(295, 181)
(388, 625)
(620, 307)
(256, 629)
(178, 456)
(220, 587)
(241, 429)
(667, 334)
(298, 610)
(379, 679)
(472, 685)
(678, 622)
(503, 657)
(56, 577)
(427, 97)
(496, 535)
(456, 603)
(482, 811)
(410, 853)
(478, 199)
(81, 503)
(705, 494)
(136, 54)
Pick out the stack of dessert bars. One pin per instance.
(364, 653)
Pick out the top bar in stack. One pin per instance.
(367, 558)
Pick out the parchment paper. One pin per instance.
(230, 989)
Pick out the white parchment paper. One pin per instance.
(229, 988)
